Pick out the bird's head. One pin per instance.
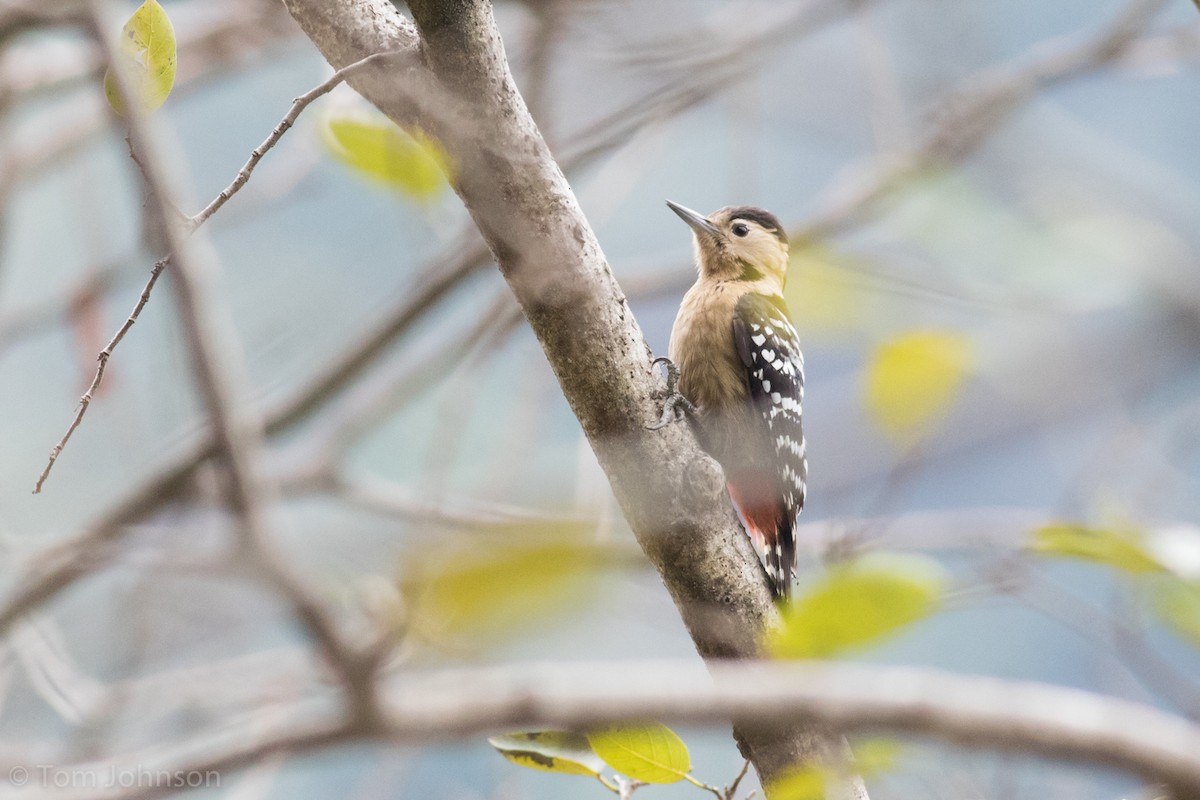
(738, 243)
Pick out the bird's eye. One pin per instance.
(740, 229)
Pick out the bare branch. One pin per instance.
(298, 105)
(732, 788)
(101, 364)
(967, 711)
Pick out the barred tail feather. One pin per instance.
(785, 555)
(771, 532)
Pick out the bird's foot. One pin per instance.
(676, 404)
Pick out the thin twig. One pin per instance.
(732, 788)
(298, 105)
(101, 364)
(289, 119)
(713, 790)
(612, 787)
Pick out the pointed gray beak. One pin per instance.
(696, 221)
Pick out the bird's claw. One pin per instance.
(675, 403)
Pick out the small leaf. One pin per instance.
(550, 751)
(382, 151)
(912, 381)
(1120, 549)
(1177, 602)
(649, 753)
(497, 585)
(146, 54)
(857, 603)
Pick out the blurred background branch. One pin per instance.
(972, 711)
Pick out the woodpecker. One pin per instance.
(740, 366)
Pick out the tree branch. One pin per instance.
(969, 711)
(101, 364)
(966, 711)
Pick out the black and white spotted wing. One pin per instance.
(770, 351)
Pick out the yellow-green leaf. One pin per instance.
(1177, 602)
(857, 603)
(378, 149)
(1120, 549)
(913, 380)
(146, 56)
(493, 587)
(550, 751)
(650, 753)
